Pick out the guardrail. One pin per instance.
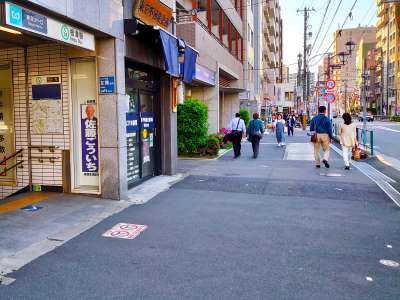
(365, 138)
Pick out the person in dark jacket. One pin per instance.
(291, 124)
(323, 127)
(255, 132)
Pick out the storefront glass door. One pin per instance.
(141, 126)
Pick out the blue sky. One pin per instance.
(364, 13)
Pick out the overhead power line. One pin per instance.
(349, 15)
(330, 25)
(320, 25)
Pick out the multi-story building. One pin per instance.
(272, 50)
(346, 76)
(388, 38)
(216, 30)
(88, 92)
(252, 63)
(365, 75)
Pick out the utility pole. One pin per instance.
(299, 66)
(306, 12)
(345, 95)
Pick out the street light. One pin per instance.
(343, 56)
(350, 46)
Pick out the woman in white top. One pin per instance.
(347, 138)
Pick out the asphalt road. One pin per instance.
(386, 137)
(235, 229)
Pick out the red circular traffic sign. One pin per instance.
(330, 84)
(330, 97)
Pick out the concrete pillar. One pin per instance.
(110, 62)
(169, 137)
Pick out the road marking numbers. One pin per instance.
(125, 231)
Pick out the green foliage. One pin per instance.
(213, 145)
(245, 115)
(192, 126)
(395, 118)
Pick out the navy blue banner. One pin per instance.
(132, 122)
(147, 120)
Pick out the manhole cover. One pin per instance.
(331, 174)
(389, 263)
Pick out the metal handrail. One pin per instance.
(12, 167)
(11, 156)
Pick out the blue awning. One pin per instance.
(170, 49)
(189, 65)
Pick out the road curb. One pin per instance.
(380, 179)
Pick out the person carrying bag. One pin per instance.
(238, 131)
(256, 131)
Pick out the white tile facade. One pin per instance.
(46, 59)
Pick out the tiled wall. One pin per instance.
(16, 55)
(47, 59)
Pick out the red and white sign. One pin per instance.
(330, 97)
(330, 84)
(125, 231)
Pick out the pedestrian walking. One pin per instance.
(321, 127)
(347, 133)
(238, 129)
(255, 133)
(291, 124)
(279, 126)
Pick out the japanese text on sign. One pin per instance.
(90, 163)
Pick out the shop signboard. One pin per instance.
(31, 21)
(107, 85)
(46, 109)
(89, 135)
(132, 128)
(205, 75)
(152, 12)
(147, 126)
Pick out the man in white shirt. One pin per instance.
(238, 132)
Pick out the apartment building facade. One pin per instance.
(272, 51)
(216, 30)
(388, 52)
(346, 75)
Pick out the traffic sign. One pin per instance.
(330, 97)
(330, 84)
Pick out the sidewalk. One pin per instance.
(270, 228)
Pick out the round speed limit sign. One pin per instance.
(330, 84)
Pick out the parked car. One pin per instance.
(370, 117)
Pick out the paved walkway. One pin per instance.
(236, 229)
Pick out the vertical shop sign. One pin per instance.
(147, 126)
(132, 127)
(89, 134)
